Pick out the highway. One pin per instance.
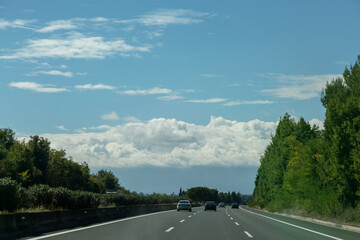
(225, 223)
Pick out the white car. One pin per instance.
(183, 205)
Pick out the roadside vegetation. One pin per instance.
(313, 172)
(203, 194)
(34, 177)
(41, 197)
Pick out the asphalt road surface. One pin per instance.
(225, 223)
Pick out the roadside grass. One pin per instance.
(348, 216)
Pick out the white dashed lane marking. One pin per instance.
(169, 229)
(237, 223)
(248, 234)
(182, 220)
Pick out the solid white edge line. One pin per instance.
(293, 225)
(169, 229)
(98, 225)
(248, 234)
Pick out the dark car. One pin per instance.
(221, 204)
(235, 205)
(210, 205)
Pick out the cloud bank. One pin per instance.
(169, 142)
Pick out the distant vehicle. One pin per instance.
(235, 205)
(210, 205)
(183, 205)
(221, 204)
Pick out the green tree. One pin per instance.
(20, 164)
(109, 180)
(39, 148)
(64, 172)
(341, 98)
(270, 174)
(7, 138)
(199, 194)
(6, 142)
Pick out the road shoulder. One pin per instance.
(313, 220)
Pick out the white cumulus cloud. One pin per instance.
(169, 142)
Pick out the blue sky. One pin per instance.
(171, 86)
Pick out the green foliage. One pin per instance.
(42, 195)
(7, 138)
(199, 194)
(341, 98)
(108, 180)
(64, 172)
(39, 149)
(316, 171)
(9, 192)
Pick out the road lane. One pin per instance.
(208, 225)
(263, 227)
(225, 223)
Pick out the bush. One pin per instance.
(40, 195)
(9, 192)
(83, 199)
(63, 198)
(27, 199)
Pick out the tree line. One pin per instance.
(313, 170)
(202, 194)
(35, 162)
(35, 176)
